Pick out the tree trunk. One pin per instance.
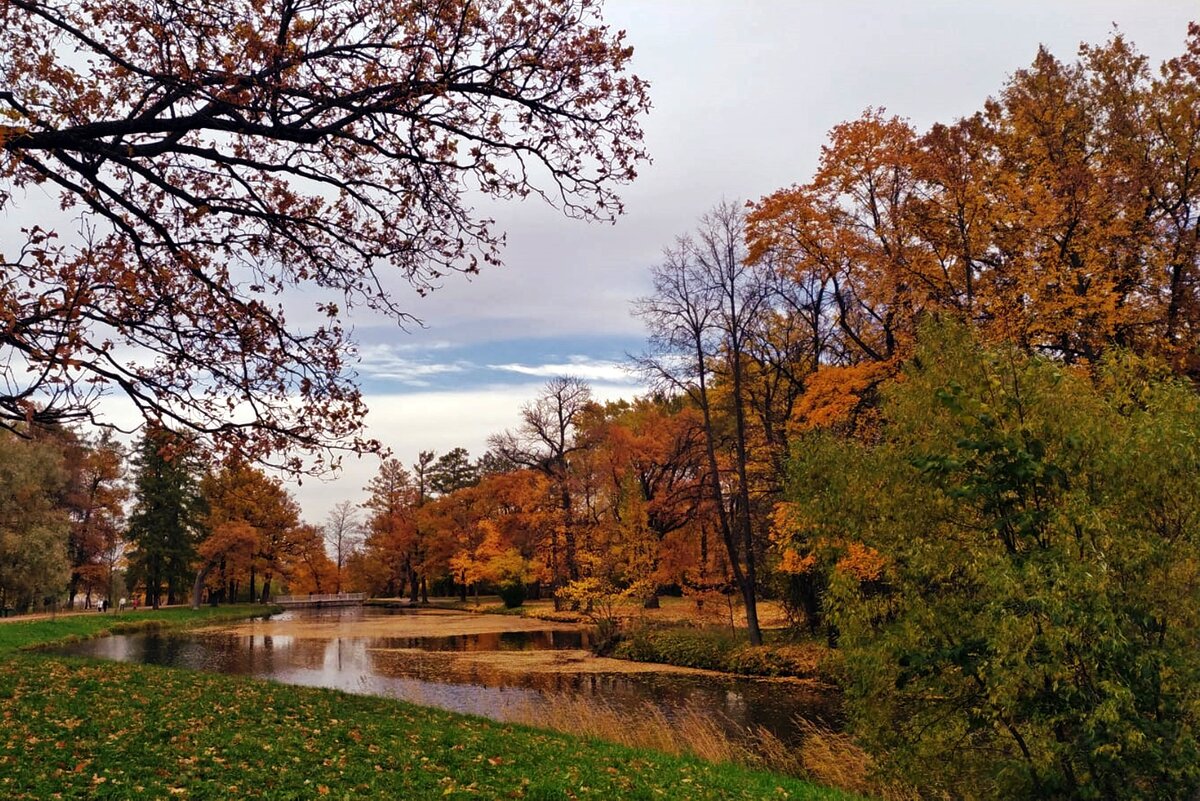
(198, 584)
(266, 590)
(568, 528)
(424, 591)
(414, 586)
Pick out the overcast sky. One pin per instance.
(744, 94)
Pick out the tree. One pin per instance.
(164, 526)
(452, 471)
(343, 534)
(218, 154)
(388, 546)
(1017, 573)
(704, 313)
(545, 441)
(33, 524)
(252, 519)
(94, 498)
(1053, 218)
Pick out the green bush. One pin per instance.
(1035, 632)
(685, 647)
(777, 660)
(513, 594)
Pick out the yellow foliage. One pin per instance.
(837, 396)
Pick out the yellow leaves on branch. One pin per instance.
(839, 396)
(803, 547)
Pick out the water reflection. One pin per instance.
(456, 673)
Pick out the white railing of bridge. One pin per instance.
(320, 599)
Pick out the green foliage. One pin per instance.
(720, 649)
(512, 594)
(165, 525)
(683, 646)
(1034, 634)
(33, 523)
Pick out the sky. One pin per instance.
(743, 95)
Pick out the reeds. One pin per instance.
(824, 756)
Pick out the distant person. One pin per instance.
(121, 605)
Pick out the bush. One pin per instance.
(512, 594)
(778, 660)
(685, 647)
(1035, 633)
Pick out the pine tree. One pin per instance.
(164, 527)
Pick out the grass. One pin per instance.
(84, 729)
(26, 634)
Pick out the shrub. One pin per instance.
(512, 594)
(1036, 632)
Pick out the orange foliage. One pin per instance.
(840, 396)
(1051, 219)
(862, 562)
(220, 154)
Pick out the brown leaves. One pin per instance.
(216, 146)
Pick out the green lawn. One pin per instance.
(85, 729)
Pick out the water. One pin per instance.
(463, 672)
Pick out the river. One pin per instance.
(502, 667)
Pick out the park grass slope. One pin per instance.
(85, 729)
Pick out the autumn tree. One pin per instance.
(218, 154)
(706, 310)
(306, 565)
(253, 523)
(165, 524)
(94, 498)
(390, 533)
(546, 441)
(650, 463)
(1052, 218)
(498, 531)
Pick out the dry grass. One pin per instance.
(688, 731)
(824, 756)
(834, 759)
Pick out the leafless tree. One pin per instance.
(703, 317)
(343, 535)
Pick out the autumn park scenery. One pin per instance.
(876, 477)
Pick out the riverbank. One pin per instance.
(112, 730)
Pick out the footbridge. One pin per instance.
(314, 600)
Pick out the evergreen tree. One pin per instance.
(453, 471)
(165, 525)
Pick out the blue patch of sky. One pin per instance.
(404, 365)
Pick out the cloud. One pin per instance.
(410, 422)
(387, 362)
(578, 366)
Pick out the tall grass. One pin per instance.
(825, 756)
